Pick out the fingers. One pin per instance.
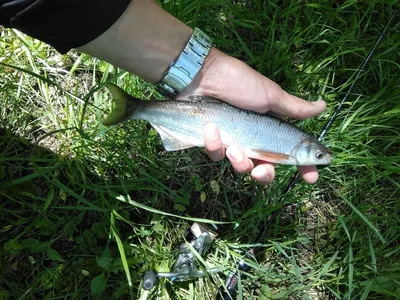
(295, 107)
(239, 161)
(309, 173)
(264, 173)
(213, 143)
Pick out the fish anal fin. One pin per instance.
(269, 156)
(171, 141)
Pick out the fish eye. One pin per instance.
(319, 155)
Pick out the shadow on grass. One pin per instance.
(55, 217)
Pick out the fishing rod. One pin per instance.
(230, 287)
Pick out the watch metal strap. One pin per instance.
(183, 70)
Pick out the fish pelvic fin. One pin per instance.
(171, 140)
(123, 105)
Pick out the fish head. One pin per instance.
(312, 152)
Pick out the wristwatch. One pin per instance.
(184, 69)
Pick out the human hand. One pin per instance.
(230, 80)
(146, 48)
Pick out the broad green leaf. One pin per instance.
(12, 245)
(105, 261)
(203, 197)
(98, 285)
(54, 255)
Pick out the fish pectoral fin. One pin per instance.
(171, 141)
(269, 156)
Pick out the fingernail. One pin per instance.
(319, 102)
(211, 132)
(235, 154)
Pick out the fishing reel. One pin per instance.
(185, 268)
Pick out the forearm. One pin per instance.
(144, 40)
(136, 35)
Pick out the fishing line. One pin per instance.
(229, 291)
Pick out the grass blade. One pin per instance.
(364, 218)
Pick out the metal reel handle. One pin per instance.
(149, 280)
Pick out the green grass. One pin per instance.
(86, 209)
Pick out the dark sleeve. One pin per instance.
(63, 24)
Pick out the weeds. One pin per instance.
(86, 209)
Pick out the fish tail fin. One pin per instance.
(123, 105)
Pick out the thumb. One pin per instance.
(295, 107)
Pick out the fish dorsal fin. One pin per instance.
(171, 141)
(123, 105)
(198, 98)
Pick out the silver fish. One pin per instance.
(180, 125)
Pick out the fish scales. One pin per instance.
(190, 117)
(180, 125)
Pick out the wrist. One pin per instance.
(206, 81)
(186, 67)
